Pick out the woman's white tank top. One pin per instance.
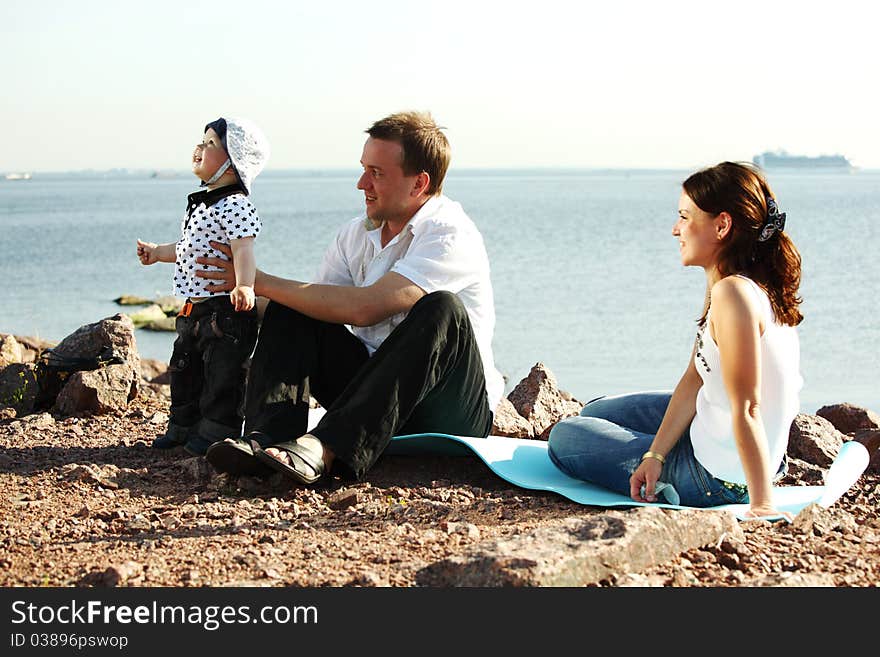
(712, 428)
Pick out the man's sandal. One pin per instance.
(306, 467)
(237, 456)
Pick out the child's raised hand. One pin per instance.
(147, 252)
(242, 297)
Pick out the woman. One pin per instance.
(721, 436)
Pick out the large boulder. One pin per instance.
(538, 399)
(96, 368)
(105, 390)
(584, 549)
(111, 336)
(848, 418)
(814, 440)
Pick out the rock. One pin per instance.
(369, 579)
(537, 398)
(814, 439)
(159, 418)
(104, 390)
(870, 438)
(848, 418)
(96, 368)
(729, 560)
(819, 521)
(636, 580)
(122, 573)
(802, 473)
(149, 314)
(507, 422)
(31, 347)
(167, 324)
(576, 551)
(109, 337)
(732, 545)
(11, 351)
(155, 391)
(102, 476)
(18, 388)
(132, 300)
(467, 529)
(197, 469)
(246, 484)
(343, 498)
(787, 579)
(138, 523)
(153, 318)
(155, 371)
(8, 413)
(115, 575)
(567, 396)
(38, 421)
(170, 305)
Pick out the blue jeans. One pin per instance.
(604, 446)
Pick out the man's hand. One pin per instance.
(147, 252)
(226, 275)
(242, 297)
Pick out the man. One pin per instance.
(411, 279)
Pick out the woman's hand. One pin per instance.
(646, 474)
(767, 511)
(226, 275)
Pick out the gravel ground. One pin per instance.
(86, 502)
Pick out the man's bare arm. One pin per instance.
(339, 304)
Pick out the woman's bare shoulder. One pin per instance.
(731, 287)
(736, 294)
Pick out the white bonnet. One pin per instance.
(247, 147)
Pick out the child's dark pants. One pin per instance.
(208, 368)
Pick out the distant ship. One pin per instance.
(783, 160)
(18, 176)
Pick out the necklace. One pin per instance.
(698, 347)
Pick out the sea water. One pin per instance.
(586, 273)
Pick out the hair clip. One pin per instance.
(775, 221)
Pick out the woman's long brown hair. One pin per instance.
(741, 190)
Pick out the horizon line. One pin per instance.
(345, 169)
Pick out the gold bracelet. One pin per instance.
(654, 455)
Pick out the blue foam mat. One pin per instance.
(525, 463)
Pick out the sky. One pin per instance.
(96, 84)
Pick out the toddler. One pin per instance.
(216, 332)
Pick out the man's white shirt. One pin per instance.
(440, 248)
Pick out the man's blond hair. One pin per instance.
(425, 147)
